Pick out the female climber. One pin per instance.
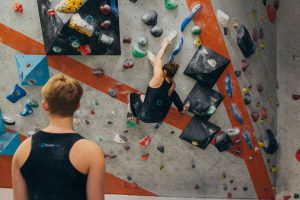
(155, 105)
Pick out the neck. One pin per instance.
(60, 125)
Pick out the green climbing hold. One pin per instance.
(131, 124)
(171, 4)
(196, 30)
(137, 52)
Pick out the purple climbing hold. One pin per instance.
(128, 63)
(156, 31)
(105, 9)
(106, 24)
(150, 18)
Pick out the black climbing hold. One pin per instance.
(156, 31)
(196, 186)
(133, 1)
(127, 148)
(199, 132)
(276, 4)
(225, 187)
(193, 166)
(206, 66)
(264, 2)
(247, 98)
(112, 93)
(235, 188)
(172, 132)
(126, 131)
(223, 142)
(296, 196)
(231, 181)
(237, 73)
(109, 122)
(129, 178)
(271, 142)
(245, 41)
(99, 72)
(150, 18)
(202, 99)
(245, 188)
(161, 149)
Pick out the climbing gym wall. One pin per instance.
(223, 148)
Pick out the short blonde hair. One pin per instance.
(63, 94)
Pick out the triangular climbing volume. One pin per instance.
(33, 69)
(74, 27)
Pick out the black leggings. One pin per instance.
(174, 98)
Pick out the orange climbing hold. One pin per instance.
(145, 156)
(145, 141)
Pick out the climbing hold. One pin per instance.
(99, 138)
(225, 187)
(255, 35)
(129, 178)
(236, 114)
(273, 169)
(189, 17)
(81, 25)
(161, 149)
(98, 72)
(18, 7)
(126, 39)
(245, 188)
(193, 166)
(196, 186)
(228, 85)
(260, 88)
(223, 142)
(296, 196)
(143, 41)
(254, 116)
(105, 9)
(254, 13)
(247, 138)
(17, 94)
(295, 97)
(56, 49)
(133, 1)
(69, 6)
(112, 93)
(8, 121)
(237, 73)
(197, 42)
(120, 139)
(106, 24)
(247, 98)
(2, 124)
(223, 20)
(145, 157)
(85, 49)
(245, 90)
(110, 155)
(156, 31)
(244, 65)
(232, 132)
(107, 40)
(127, 148)
(171, 4)
(223, 176)
(87, 122)
(297, 155)
(245, 42)
(271, 143)
(137, 52)
(27, 111)
(196, 30)
(271, 11)
(276, 4)
(32, 103)
(145, 141)
(235, 24)
(150, 18)
(263, 113)
(264, 2)
(229, 195)
(261, 33)
(231, 181)
(128, 63)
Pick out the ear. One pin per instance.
(45, 105)
(78, 106)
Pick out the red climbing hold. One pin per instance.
(287, 197)
(298, 155)
(85, 50)
(18, 7)
(271, 13)
(296, 97)
(254, 116)
(93, 112)
(27, 65)
(145, 141)
(51, 12)
(244, 65)
(145, 157)
(263, 113)
(260, 88)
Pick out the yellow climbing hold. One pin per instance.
(245, 90)
(273, 169)
(235, 24)
(262, 45)
(69, 6)
(197, 42)
(80, 25)
(195, 143)
(261, 144)
(261, 121)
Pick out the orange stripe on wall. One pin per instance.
(211, 37)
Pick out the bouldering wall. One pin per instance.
(145, 160)
(288, 52)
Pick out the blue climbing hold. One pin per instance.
(27, 110)
(236, 114)
(17, 94)
(248, 139)
(113, 7)
(228, 85)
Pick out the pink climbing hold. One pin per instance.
(260, 88)
(255, 35)
(18, 7)
(244, 65)
(298, 155)
(145, 141)
(145, 157)
(106, 24)
(128, 63)
(271, 13)
(263, 113)
(105, 9)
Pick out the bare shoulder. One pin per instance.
(23, 152)
(88, 149)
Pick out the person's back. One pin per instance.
(57, 163)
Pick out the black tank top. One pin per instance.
(48, 172)
(156, 104)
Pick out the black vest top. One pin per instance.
(48, 172)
